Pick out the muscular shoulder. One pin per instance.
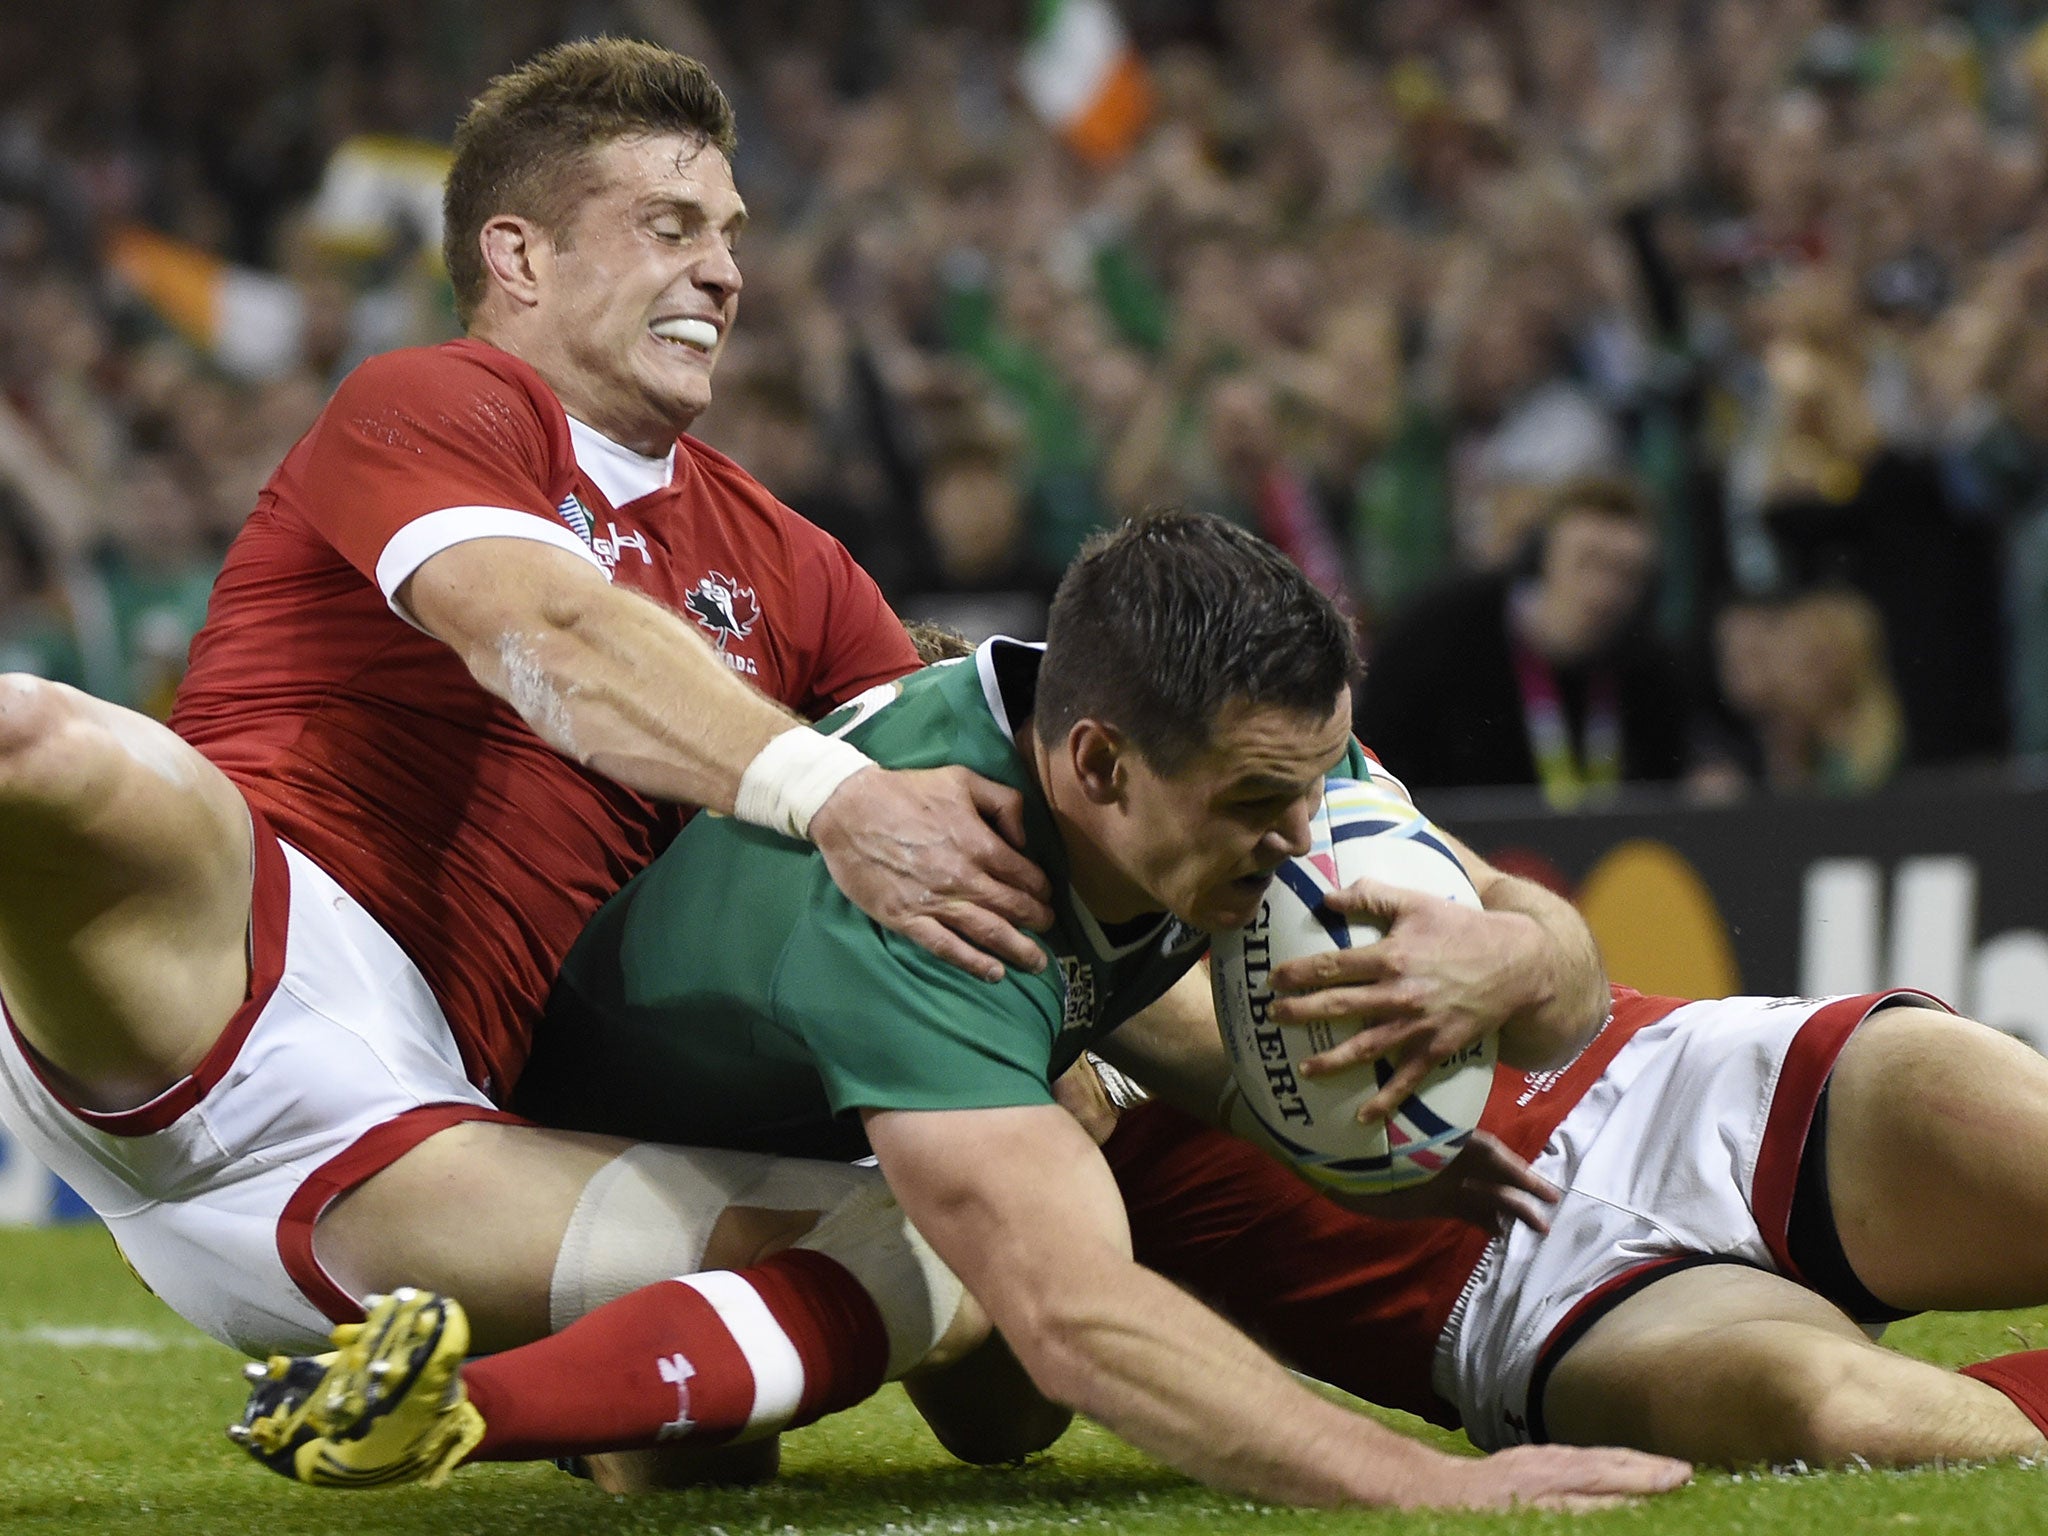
(461, 429)
(450, 375)
(421, 400)
(418, 400)
(914, 1031)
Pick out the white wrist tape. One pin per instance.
(792, 776)
(1120, 1090)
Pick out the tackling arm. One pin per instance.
(622, 685)
(602, 674)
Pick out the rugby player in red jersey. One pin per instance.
(493, 624)
(1751, 1188)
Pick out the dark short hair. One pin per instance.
(523, 146)
(1161, 623)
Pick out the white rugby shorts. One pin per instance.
(1687, 1147)
(338, 1063)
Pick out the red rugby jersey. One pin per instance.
(372, 750)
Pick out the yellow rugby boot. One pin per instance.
(386, 1406)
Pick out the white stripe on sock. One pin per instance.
(778, 1370)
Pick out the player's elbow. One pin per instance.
(531, 669)
(544, 658)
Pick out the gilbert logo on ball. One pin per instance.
(1363, 829)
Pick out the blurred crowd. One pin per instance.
(1402, 285)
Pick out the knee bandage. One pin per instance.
(647, 1215)
(913, 1289)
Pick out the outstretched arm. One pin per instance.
(625, 687)
(1022, 1206)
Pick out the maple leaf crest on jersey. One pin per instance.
(724, 607)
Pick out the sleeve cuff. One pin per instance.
(424, 537)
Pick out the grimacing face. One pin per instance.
(1203, 842)
(642, 288)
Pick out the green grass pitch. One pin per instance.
(111, 1413)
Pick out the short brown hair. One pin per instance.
(522, 146)
(1161, 623)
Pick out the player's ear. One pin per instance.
(1097, 753)
(517, 256)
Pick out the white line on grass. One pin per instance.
(132, 1340)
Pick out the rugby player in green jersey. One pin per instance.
(1171, 742)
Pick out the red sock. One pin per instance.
(2023, 1378)
(707, 1356)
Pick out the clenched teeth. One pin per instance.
(701, 334)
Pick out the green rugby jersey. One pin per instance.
(731, 996)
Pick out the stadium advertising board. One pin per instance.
(1937, 884)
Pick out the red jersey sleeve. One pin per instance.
(432, 446)
(864, 642)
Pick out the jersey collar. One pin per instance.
(1009, 680)
(616, 470)
(1091, 931)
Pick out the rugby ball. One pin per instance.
(1362, 829)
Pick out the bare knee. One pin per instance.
(1740, 1393)
(478, 1211)
(36, 716)
(67, 757)
(1835, 1407)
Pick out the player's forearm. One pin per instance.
(1563, 982)
(1173, 1378)
(1020, 1204)
(623, 686)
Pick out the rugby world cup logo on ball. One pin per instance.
(1362, 830)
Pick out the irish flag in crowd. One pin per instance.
(251, 322)
(379, 189)
(1081, 74)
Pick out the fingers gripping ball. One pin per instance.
(1361, 830)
